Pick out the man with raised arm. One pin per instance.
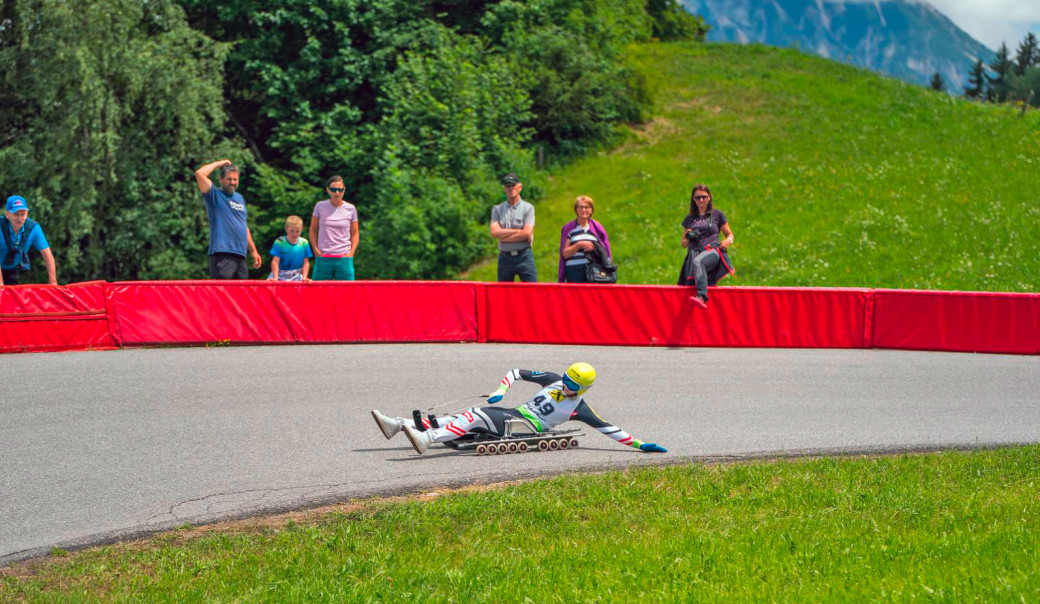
(229, 237)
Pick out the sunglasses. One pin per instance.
(570, 384)
(700, 197)
(336, 189)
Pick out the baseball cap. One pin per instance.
(510, 179)
(16, 203)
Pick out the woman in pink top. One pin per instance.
(334, 235)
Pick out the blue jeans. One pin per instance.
(521, 265)
(702, 263)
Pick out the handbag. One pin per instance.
(599, 268)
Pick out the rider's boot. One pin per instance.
(420, 440)
(388, 425)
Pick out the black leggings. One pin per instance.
(498, 417)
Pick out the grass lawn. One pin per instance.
(954, 526)
(829, 175)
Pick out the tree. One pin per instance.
(108, 107)
(1028, 54)
(937, 82)
(1002, 68)
(673, 22)
(976, 87)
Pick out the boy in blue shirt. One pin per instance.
(19, 234)
(290, 255)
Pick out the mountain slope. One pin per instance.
(830, 176)
(907, 39)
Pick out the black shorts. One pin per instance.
(11, 276)
(228, 266)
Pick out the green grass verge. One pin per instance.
(830, 176)
(955, 526)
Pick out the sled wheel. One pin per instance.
(564, 443)
(513, 448)
(543, 445)
(554, 445)
(498, 449)
(523, 447)
(574, 443)
(482, 450)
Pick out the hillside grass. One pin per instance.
(956, 526)
(829, 175)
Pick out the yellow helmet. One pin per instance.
(579, 377)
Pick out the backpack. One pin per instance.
(600, 268)
(17, 256)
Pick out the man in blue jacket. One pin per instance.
(18, 235)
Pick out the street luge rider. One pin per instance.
(559, 400)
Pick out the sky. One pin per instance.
(993, 21)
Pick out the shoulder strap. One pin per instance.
(28, 227)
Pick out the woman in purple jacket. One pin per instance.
(577, 241)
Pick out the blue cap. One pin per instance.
(16, 203)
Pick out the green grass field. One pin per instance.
(830, 176)
(958, 526)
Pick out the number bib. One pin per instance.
(550, 406)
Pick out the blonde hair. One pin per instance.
(294, 220)
(586, 199)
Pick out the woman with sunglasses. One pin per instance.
(559, 400)
(707, 259)
(334, 234)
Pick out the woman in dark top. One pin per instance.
(707, 260)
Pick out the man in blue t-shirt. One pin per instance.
(229, 236)
(18, 235)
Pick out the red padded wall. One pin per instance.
(100, 315)
(37, 318)
(957, 321)
(194, 312)
(646, 315)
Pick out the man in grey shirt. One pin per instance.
(512, 223)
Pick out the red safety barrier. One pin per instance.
(957, 321)
(197, 312)
(100, 315)
(38, 318)
(647, 315)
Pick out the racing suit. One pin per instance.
(547, 409)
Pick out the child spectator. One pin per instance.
(290, 255)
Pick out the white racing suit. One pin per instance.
(547, 409)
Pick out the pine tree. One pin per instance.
(1002, 67)
(1028, 54)
(976, 81)
(938, 83)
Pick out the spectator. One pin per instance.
(707, 260)
(512, 223)
(578, 240)
(290, 255)
(20, 233)
(334, 234)
(229, 235)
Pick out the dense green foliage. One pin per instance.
(953, 526)
(829, 175)
(105, 108)
(419, 105)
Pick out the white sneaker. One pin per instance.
(420, 440)
(388, 425)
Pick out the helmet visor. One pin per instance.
(570, 384)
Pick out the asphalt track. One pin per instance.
(96, 446)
